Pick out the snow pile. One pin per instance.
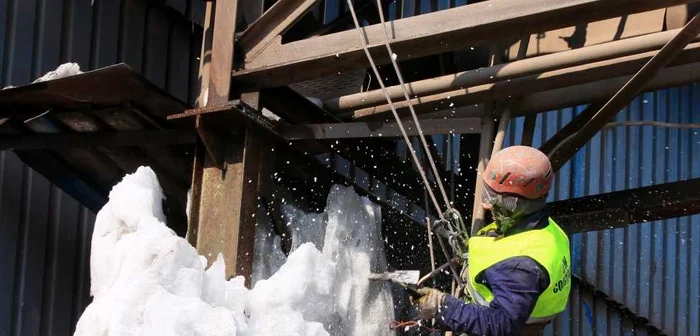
(148, 281)
(63, 70)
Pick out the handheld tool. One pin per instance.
(408, 280)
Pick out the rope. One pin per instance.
(424, 177)
(396, 115)
(409, 324)
(428, 152)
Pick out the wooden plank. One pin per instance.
(94, 139)
(378, 129)
(622, 208)
(422, 35)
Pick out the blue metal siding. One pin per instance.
(44, 233)
(652, 267)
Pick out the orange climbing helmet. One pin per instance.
(519, 170)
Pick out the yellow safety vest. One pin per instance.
(548, 246)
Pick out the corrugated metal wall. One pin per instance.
(44, 233)
(653, 268)
(44, 243)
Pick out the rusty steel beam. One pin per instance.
(423, 35)
(268, 28)
(226, 187)
(372, 156)
(232, 113)
(573, 95)
(523, 86)
(251, 11)
(564, 150)
(626, 207)
(503, 123)
(511, 70)
(378, 129)
(95, 139)
(528, 129)
(600, 90)
(485, 146)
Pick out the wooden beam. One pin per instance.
(269, 27)
(428, 34)
(96, 139)
(378, 129)
(622, 208)
(566, 149)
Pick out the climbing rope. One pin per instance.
(419, 166)
(421, 171)
(428, 152)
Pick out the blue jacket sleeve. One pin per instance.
(516, 283)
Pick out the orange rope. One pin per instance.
(409, 324)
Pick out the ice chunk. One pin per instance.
(305, 227)
(353, 241)
(268, 257)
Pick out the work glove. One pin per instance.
(429, 303)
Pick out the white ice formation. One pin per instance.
(148, 281)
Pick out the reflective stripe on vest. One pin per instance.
(548, 246)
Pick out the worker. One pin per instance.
(519, 268)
